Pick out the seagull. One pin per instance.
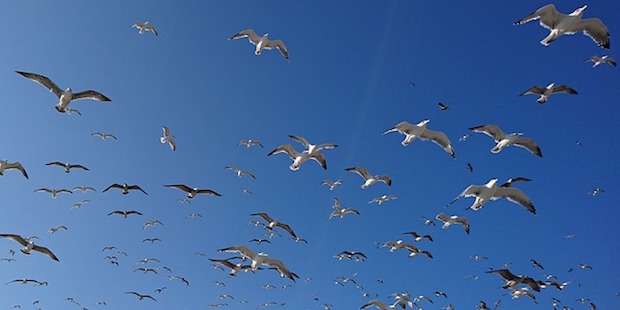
(412, 132)
(601, 60)
(536, 264)
(259, 241)
(560, 24)
(67, 166)
(29, 246)
(352, 255)
(79, 204)
(545, 92)
(332, 185)
(428, 221)
(584, 266)
(240, 172)
(167, 137)
(126, 188)
(103, 136)
(125, 213)
(490, 191)
(512, 279)
(55, 229)
(234, 268)
(262, 258)
(64, 97)
(5, 165)
(271, 223)
(369, 179)
(70, 111)
(447, 221)
(503, 140)
(381, 306)
(84, 189)
(151, 240)
(249, 142)
(478, 257)
(53, 191)
(145, 270)
(515, 180)
(382, 199)
(192, 192)
(312, 148)
(299, 158)
(261, 42)
(144, 27)
(443, 107)
(470, 167)
(151, 224)
(23, 281)
(340, 212)
(596, 191)
(140, 296)
(417, 237)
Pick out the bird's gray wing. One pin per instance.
(361, 171)
(301, 140)
(528, 144)
(490, 130)
(564, 89)
(252, 36)
(279, 45)
(90, 94)
(45, 81)
(515, 195)
(536, 90)
(438, 138)
(595, 29)
(45, 251)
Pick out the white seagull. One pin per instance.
(29, 245)
(381, 199)
(67, 166)
(331, 184)
(5, 165)
(545, 92)
(145, 27)
(261, 42)
(503, 140)
(240, 172)
(249, 142)
(192, 192)
(370, 179)
(447, 221)
(601, 60)
(412, 132)
(340, 212)
(64, 97)
(167, 137)
(561, 24)
(491, 191)
(299, 158)
(103, 136)
(312, 147)
(54, 192)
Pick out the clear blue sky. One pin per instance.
(347, 81)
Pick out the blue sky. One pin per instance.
(347, 81)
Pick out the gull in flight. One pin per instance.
(312, 147)
(271, 223)
(381, 199)
(103, 136)
(381, 306)
(412, 132)
(261, 258)
(249, 142)
(125, 213)
(299, 158)
(144, 27)
(601, 60)
(240, 172)
(234, 268)
(491, 191)
(332, 185)
(340, 212)
(560, 24)
(370, 179)
(443, 107)
(512, 279)
(167, 137)
(84, 188)
(261, 42)
(53, 191)
(351, 255)
(5, 165)
(192, 192)
(140, 296)
(79, 204)
(125, 188)
(417, 237)
(64, 97)
(57, 228)
(67, 166)
(503, 140)
(545, 92)
(448, 221)
(29, 245)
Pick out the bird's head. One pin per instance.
(578, 11)
(550, 85)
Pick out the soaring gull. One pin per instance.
(412, 132)
(545, 92)
(503, 140)
(491, 191)
(261, 42)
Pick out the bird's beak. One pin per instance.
(390, 130)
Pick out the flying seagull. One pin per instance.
(381, 199)
(240, 172)
(515, 180)
(545, 92)
(67, 166)
(447, 221)
(261, 42)
(29, 245)
(53, 191)
(271, 223)
(167, 137)
(192, 192)
(140, 296)
(340, 212)
(299, 158)
(412, 132)
(5, 165)
(369, 179)
(491, 191)
(512, 279)
(417, 237)
(249, 142)
(601, 60)
(103, 136)
(312, 147)
(64, 97)
(125, 188)
(503, 140)
(144, 27)
(443, 107)
(560, 24)
(125, 213)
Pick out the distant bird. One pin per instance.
(601, 60)
(381, 306)
(240, 172)
(428, 221)
(443, 107)
(5, 165)
(477, 257)
(125, 188)
(439, 293)
(261, 42)
(417, 237)
(545, 92)
(368, 178)
(503, 140)
(142, 27)
(271, 223)
(151, 224)
(148, 259)
(448, 221)
(259, 241)
(246, 191)
(560, 24)
(64, 97)
(514, 180)
(71, 111)
(192, 192)
(596, 191)
(381, 199)
(140, 296)
(483, 306)
(491, 191)
(585, 266)
(569, 237)
(167, 137)
(332, 185)
(470, 168)
(194, 215)
(299, 158)
(412, 132)
(54, 192)
(340, 212)
(83, 189)
(351, 255)
(151, 240)
(145, 270)
(512, 279)
(67, 166)
(23, 281)
(312, 148)
(125, 213)
(234, 268)
(159, 290)
(29, 245)
(103, 136)
(261, 258)
(249, 142)
(536, 264)
(464, 137)
(79, 204)
(57, 228)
